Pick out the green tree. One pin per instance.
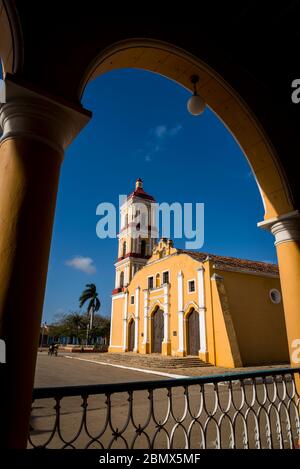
(71, 325)
(90, 295)
(101, 328)
(76, 325)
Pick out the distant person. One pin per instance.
(51, 350)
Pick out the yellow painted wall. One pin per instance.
(117, 326)
(225, 340)
(259, 324)
(210, 326)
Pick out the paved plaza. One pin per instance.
(63, 371)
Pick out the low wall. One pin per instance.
(80, 349)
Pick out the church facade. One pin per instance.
(224, 310)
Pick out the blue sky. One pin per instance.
(141, 128)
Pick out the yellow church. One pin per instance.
(224, 310)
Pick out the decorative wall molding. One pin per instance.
(136, 329)
(202, 310)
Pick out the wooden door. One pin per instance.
(131, 334)
(193, 333)
(157, 331)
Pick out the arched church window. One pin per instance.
(126, 221)
(121, 279)
(124, 249)
(157, 280)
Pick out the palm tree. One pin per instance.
(90, 294)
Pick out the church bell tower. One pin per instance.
(137, 236)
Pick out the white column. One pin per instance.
(180, 311)
(126, 275)
(146, 340)
(166, 314)
(285, 228)
(36, 130)
(125, 322)
(136, 329)
(202, 309)
(117, 279)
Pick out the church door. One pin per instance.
(157, 331)
(193, 333)
(131, 333)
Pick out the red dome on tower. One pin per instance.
(139, 191)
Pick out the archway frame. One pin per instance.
(178, 65)
(228, 106)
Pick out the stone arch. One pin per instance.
(188, 307)
(155, 305)
(178, 65)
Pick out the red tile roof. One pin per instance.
(139, 192)
(233, 262)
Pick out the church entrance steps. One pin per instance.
(153, 360)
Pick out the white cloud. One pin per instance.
(85, 264)
(175, 130)
(160, 131)
(160, 134)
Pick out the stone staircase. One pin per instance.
(152, 360)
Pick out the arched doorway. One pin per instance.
(193, 338)
(157, 331)
(131, 334)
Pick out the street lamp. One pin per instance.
(196, 103)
